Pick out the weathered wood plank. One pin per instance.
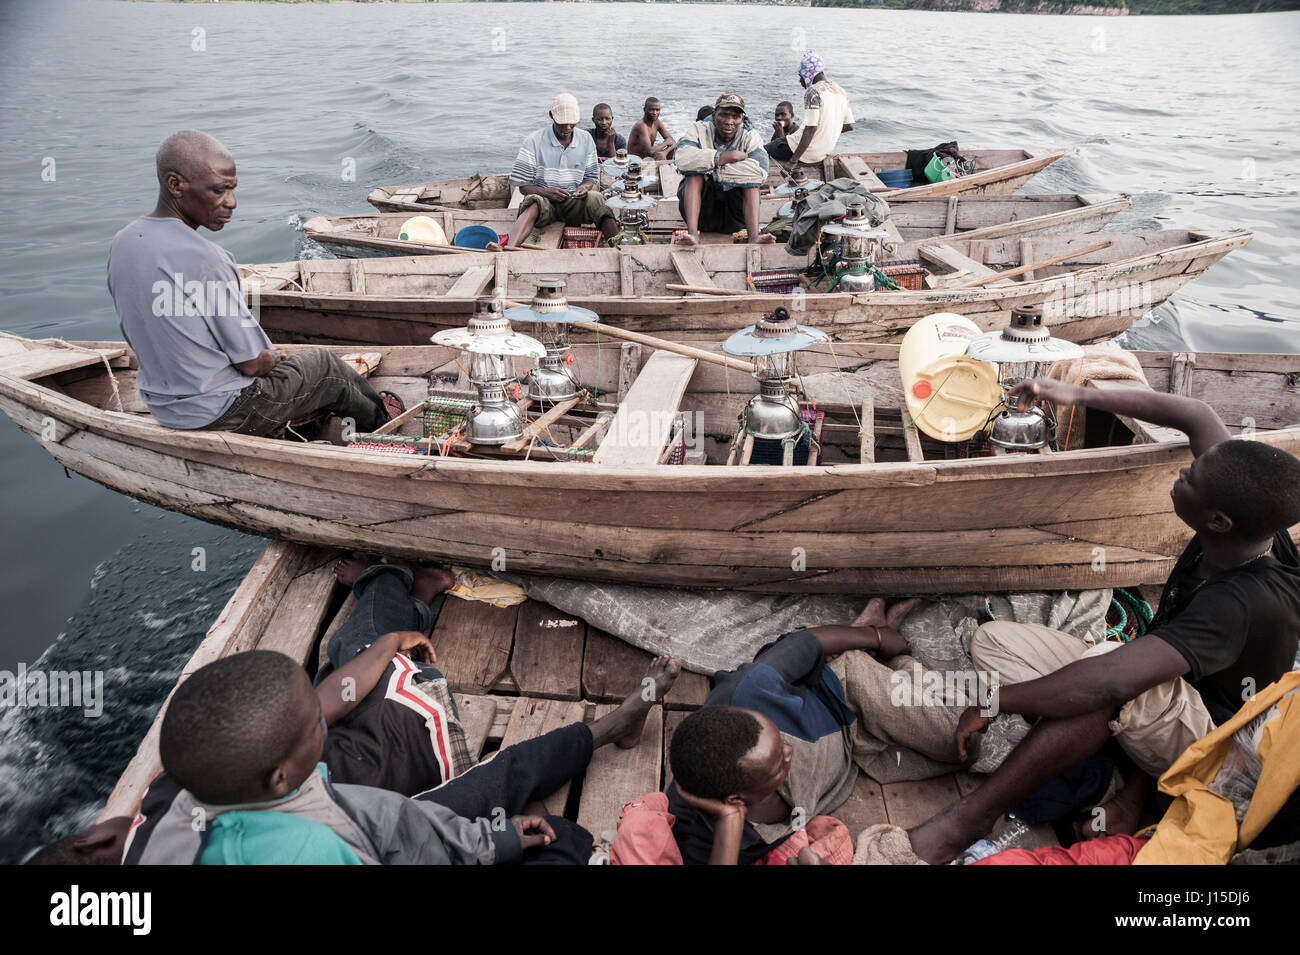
(646, 416)
(613, 668)
(616, 776)
(473, 640)
(547, 657)
(864, 807)
(912, 435)
(296, 623)
(911, 803)
(471, 283)
(867, 421)
(689, 269)
(477, 714)
(532, 718)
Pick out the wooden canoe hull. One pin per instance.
(403, 301)
(962, 215)
(1080, 519)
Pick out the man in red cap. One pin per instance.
(723, 165)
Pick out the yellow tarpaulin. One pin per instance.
(1201, 826)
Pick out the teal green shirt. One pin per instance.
(266, 837)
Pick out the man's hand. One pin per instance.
(414, 644)
(1048, 389)
(555, 194)
(533, 831)
(262, 364)
(971, 724)
(732, 155)
(717, 809)
(582, 190)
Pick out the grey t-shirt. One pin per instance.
(181, 307)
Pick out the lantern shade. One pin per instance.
(510, 343)
(617, 201)
(616, 166)
(789, 187)
(997, 348)
(747, 342)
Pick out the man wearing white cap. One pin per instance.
(557, 171)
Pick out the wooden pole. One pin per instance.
(663, 345)
(1055, 260)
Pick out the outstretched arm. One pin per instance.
(875, 630)
(1195, 418)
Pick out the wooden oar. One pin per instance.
(705, 290)
(659, 343)
(1055, 260)
(663, 345)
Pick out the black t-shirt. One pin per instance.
(385, 742)
(1237, 629)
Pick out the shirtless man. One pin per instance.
(641, 141)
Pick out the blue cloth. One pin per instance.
(181, 307)
(544, 162)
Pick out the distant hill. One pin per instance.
(1103, 7)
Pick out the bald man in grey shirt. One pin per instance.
(204, 360)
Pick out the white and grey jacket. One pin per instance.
(698, 153)
(381, 827)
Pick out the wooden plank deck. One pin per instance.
(517, 672)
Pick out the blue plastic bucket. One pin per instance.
(474, 237)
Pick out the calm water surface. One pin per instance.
(1195, 117)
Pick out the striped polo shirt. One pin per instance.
(544, 162)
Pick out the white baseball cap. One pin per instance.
(564, 109)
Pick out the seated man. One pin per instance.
(241, 744)
(773, 745)
(608, 142)
(204, 360)
(1228, 620)
(783, 122)
(557, 171)
(723, 166)
(643, 141)
(826, 114)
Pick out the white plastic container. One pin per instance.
(949, 395)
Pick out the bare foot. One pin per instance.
(347, 570)
(940, 839)
(428, 581)
(806, 857)
(624, 725)
(686, 239)
(765, 239)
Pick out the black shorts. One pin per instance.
(721, 210)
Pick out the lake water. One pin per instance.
(1194, 117)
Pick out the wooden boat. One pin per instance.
(1088, 292)
(987, 216)
(998, 172)
(886, 510)
(560, 670)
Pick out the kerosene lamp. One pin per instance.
(551, 380)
